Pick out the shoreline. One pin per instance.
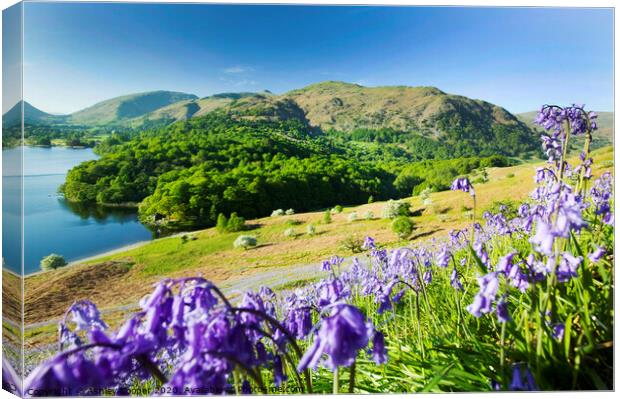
(110, 252)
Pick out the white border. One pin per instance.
(483, 3)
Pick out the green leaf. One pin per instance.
(481, 266)
(567, 335)
(438, 377)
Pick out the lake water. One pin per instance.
(51, 224)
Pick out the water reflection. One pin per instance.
(102, 214)
(52, 224)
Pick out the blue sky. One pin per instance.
(519, 58)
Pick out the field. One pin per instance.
(116, 282)
(478, 311)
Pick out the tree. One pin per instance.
(235, 223)
(353, 243)
(393, 209)
(402, 226)
(327, 217)
(52, 262)
(222, 223)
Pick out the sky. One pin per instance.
(78, 54)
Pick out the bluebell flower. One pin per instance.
(341, 335)
(379, 351)
(543, 239)
(597, 254)
(568, 266)
(522, 380)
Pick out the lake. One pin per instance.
(52, 224)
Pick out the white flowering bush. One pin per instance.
(393, 209)
(245, 242)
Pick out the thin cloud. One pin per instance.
(239, 83)
(246, 83)
(237, 69)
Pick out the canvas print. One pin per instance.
(206, 199)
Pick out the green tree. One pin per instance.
(402, 226)
(393, 209)
(52, 262)
(235, 223)
(222, 223)
(327, 217)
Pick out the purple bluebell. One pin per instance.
(85, 315)
(379, 351)
(557, 331)
(369, 243)
(463, 184)
(543, 239)
(455, 281)
(522, 380)
(341, 335)
(278, 375)
(246, 388)
(443, 257)
(567, 268)
(502, 311)
(597, 255)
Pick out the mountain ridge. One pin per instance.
(122, 108)
(338, 106)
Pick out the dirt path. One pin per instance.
(236, 286)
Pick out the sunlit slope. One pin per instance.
(124, 277)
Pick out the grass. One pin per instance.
(123, 278)
(434, 344)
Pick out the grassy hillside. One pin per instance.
(123, 277)
(183, 110)
(346, 106)
(120, 109)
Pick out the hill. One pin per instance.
(32, 115)
(121, 109)
(411, 123)
(346, 106)
(417, 120)
(186, 109)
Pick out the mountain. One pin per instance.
(186, 109)
(121, 109)
(32, 115)
(346, 106)
(604, 135)
(424, 117)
